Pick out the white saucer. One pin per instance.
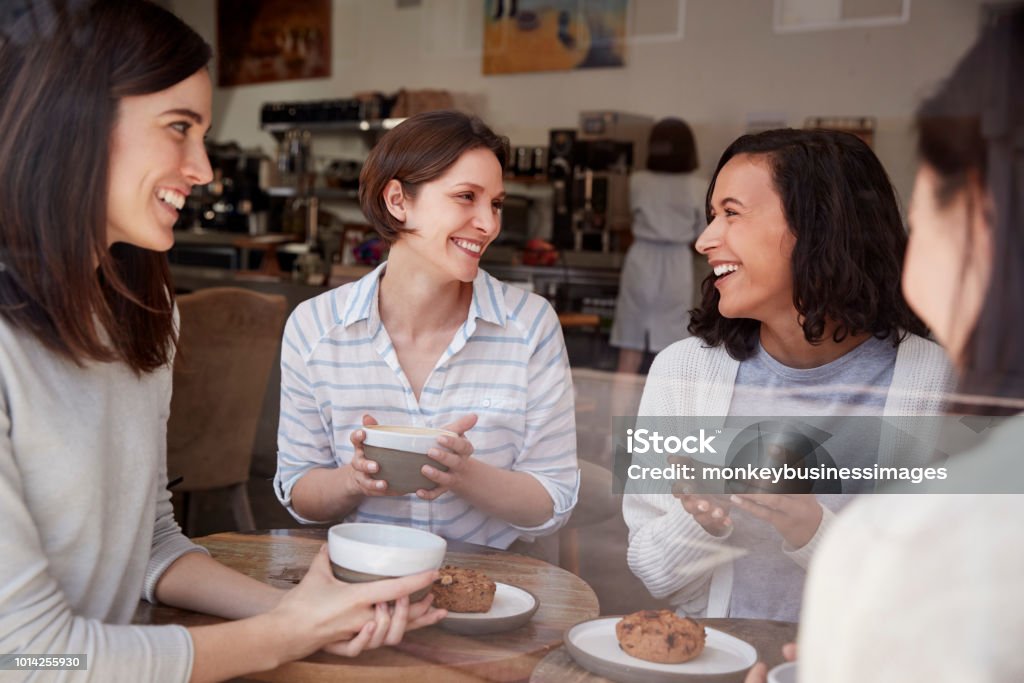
(512, 607)
(594, 647)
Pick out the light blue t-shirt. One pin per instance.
(766, 583)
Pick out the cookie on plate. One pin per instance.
(463, 590)
(660, 636)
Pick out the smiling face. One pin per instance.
(455, 216)
(156, 156)
(748, 242)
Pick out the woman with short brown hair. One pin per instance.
(429, 339)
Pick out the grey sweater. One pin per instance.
(86, 525)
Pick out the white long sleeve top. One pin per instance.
(668, 550)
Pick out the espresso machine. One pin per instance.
(589, 171)
(233, 201)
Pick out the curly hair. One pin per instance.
(850, 240)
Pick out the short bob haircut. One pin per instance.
(972, 130)
(671, 148)
(850, 240)
(418, 151)
(64, 67)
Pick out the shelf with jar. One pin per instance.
(325, 193)
(347, 126)
(298, 174)
(363, 112)
(305, 182)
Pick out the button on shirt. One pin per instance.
(507, 363)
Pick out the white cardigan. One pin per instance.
(668, 550)
(924, 587)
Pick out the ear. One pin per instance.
(395, 199)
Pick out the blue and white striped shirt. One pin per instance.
(507, 363)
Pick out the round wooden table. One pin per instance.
(766, 636)
(281, 557)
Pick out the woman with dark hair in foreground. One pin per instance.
(104, 105)
(800, 317)
(929, 587)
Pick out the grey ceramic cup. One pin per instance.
(400, 453)
(350, 576)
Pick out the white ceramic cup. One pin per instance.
(404, 438)
(384, 550)
(783, 673)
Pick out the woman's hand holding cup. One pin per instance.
(452, 452)
(362, 470)
(346, 619)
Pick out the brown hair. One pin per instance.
(64, 66)
(671, 148)
(418, 151)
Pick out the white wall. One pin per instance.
(728, 63)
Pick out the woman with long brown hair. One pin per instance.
(104, 106)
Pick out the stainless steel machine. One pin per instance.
(589, 170)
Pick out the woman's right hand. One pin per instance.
(361, 470)
(322, 612)
(710, 510)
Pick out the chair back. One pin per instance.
(228, 343)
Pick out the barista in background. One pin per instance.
(656, 289)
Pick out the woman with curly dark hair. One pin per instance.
(829, 237)
(801, 316)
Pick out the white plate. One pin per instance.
(594, 647)
(512, 607)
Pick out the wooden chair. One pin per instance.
(596, 503)
(600, 396)
(228, 344)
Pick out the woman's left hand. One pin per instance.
(795, 516)
(389, 625)
(451, 452)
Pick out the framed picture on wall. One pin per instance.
(553, 35)
(260, 41)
